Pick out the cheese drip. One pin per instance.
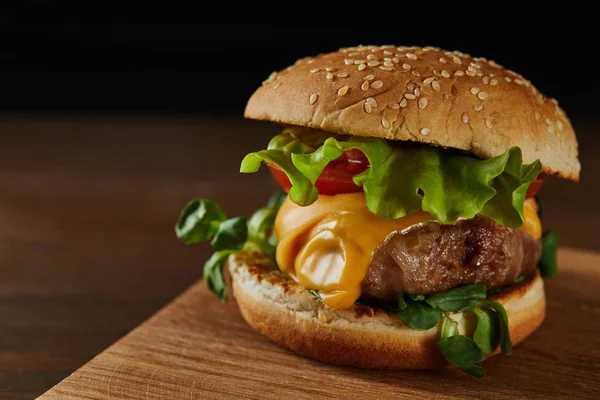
(328, 245)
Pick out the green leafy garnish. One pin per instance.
(213, 273)
(203, 220)
(505, 342)
(421, 313)
(199, 221)
(462, 352)
(455, 300)
(548, 264)
(314, 293)
(232, 234)
(420, 316)
(403, 177)
(487, 333)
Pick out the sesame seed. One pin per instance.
(471, 72)
(386, 68)
(476, 145)
(478, 107)
(445, 74)
(417, 91)
(475, 90)
(507, 79)
(342, 75)
(427, 81)
(479, 73)
(493, 82)
(372, 57)
(443, 60)
(550, 128)
(554, 101)
(277, 86)
(348, 61)
(387, 52)
(437, 73)
(373, 63)
(329, 76)
(406, 66)
(538, 117)
(410, 86)
(395, 60)
(403, 103)
(371, 101)
(368, 108)
(399, 55)
(388, 64)
(482, 95)
(342, 91)
(377, 84)
(313, 98)
(488, 123)
(315, 70)
(474, 65)
(492, 63)
(370, 77)
(560, 125)
(385, 123)
(393, 106)
(465, 118)
(446, 96)
(410, 96)
(330, 69)
(435, 85)
(459, 73)
(518, 82)
(456, 60)
(365, 86)
(415, 73)
(411, 56)
(423, 102)
(485, 80)
(362, 66)
(425, 131)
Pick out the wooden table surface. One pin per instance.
(87, 208)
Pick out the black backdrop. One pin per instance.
(77, 64)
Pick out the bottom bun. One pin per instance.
(362, 336)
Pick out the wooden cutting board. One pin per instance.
(198, 348)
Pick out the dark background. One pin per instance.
(71, 60)
(108, 127)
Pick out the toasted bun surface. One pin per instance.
(428, 95)
(362, 336)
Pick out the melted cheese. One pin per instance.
(328, 245)
(531, 220)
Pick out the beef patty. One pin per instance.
(435, 257)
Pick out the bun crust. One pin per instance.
(427, 95)
(362, 336)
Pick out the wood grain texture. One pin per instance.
(197, 348)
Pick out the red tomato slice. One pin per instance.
(535, 186)
(336, 177)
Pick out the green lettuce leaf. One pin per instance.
(404, 177)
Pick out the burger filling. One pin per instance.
(422, 231)
(339, 248)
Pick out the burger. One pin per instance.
(408, 234)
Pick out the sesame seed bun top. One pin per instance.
(427, 95)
